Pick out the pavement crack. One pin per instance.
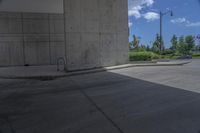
(97, 107)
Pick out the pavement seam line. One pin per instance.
(98, 108)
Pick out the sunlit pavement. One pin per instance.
(183, 77)
(161, 99)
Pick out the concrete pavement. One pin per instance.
(137, 99)
(184, 77)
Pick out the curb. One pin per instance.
(74, 73)
(42, 78)
(146, 65)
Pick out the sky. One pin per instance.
(144, 19)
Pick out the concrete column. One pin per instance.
(96, 33)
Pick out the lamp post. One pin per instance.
(161, 20)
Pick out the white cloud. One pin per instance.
(185, 22)
(194, 24)
(151, 16)
(179, 20)
(148, 2)
(135, 11)
(135, 7)
(130, 24)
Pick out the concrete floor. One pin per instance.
(133, 100)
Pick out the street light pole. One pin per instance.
(161, 21)
(161, 16)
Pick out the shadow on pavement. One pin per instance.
(102, 102)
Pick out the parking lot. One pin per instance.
(157, 99)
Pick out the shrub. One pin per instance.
(196, 55)
(168, 52)
(142, 56)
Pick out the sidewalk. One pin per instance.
(50, 72)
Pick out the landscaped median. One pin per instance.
(143, 56)
(149, 56)
(196, 56)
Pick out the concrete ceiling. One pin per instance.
(43, 6)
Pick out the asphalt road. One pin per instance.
(131, 100)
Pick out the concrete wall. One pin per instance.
(31, 38)
(96, 33)
(39, 6)
(92, 33)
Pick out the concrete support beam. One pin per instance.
(96, 33)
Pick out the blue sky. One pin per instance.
(144, 19)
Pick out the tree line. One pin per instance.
(183, 45)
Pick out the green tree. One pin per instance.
(186, 44)
(130, 44)
(142, 48)
(190, 42)
(156, 44)
(197, 47)
(174, 42)
(136, 41)
(148, 48)
(182, 46)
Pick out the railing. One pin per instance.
(58, 63)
